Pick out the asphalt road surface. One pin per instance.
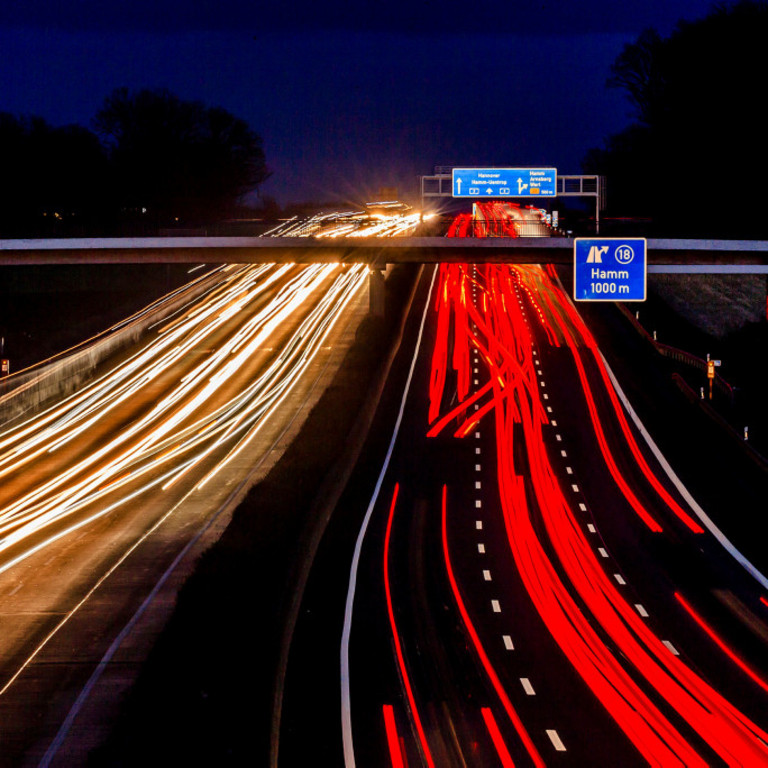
(515, 575)
(102, 493)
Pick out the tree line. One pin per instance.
(150, 160)
(694, 158)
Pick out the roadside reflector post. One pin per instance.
(710, 374)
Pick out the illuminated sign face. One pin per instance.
(609, 269)
(495, 183)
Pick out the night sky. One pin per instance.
(348, 97)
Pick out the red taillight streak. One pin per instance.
(484, 660)
(396, 640)
(393, 740)
(721, 644)
(654, 737)
(634, 502)
(764, 601)
(496, 738)
(719, 722)
(700, 705)
(589, 341)
(730, 731)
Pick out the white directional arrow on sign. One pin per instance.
(521, 186)
(458, 185)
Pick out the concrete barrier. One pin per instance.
(32, 389)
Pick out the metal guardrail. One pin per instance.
(679, 355)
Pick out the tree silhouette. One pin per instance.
(50, 176)
(694, 159)
(178, 159)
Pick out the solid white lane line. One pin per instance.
(698, 511)
(346, 706)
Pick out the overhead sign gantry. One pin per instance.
(503, 182)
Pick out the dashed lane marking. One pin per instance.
(555, 739)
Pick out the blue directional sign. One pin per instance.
(487, 183)
(609, 269)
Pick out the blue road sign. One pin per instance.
(490, 183)
(609, 269)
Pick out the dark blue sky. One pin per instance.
(348, 97)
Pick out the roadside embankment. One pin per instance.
(27, 391)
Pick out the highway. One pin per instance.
(520, 578)
(103, 490)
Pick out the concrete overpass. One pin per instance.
(692, 256)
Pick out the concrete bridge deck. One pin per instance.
(664, 255)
